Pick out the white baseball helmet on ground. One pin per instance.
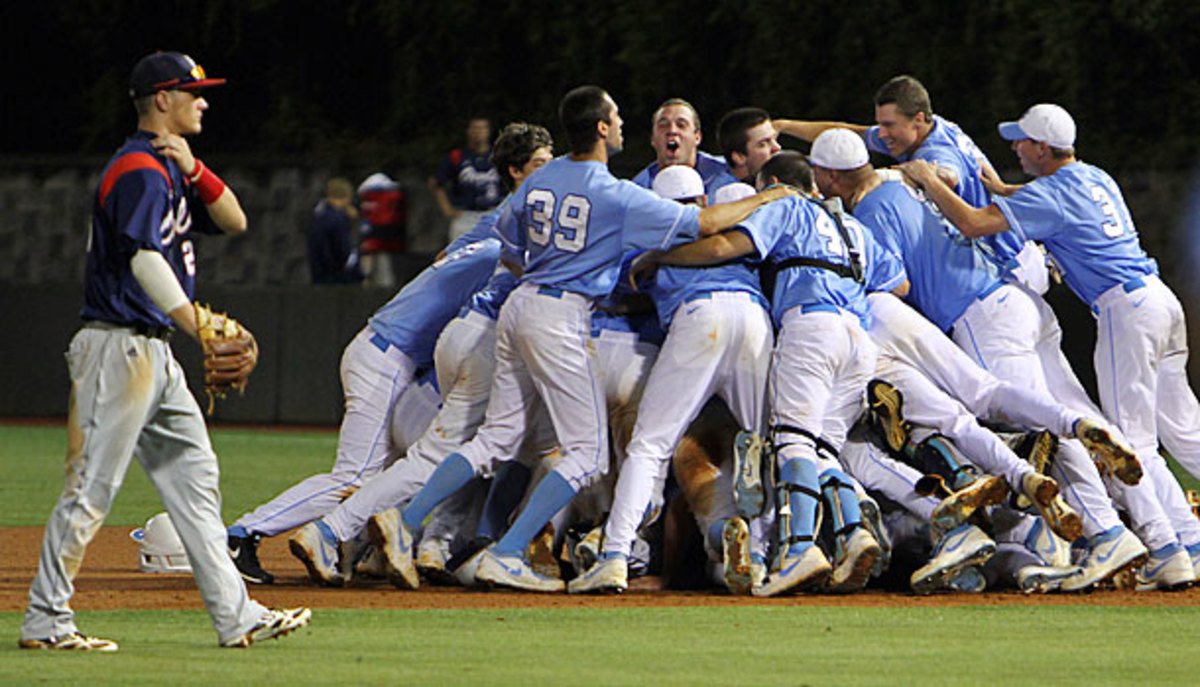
(161, 550)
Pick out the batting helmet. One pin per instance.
(161, 549)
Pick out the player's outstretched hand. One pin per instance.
(921, 172)
(176, 147)
(994, 184)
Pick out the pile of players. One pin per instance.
(813, 375)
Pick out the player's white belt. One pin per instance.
(1118, 291)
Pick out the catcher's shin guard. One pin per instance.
(800, 492)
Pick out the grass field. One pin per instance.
(689, 645)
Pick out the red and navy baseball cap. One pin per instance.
(168, 71)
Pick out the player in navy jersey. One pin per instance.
(466, 184)
(129, 397)
(676, 138)
(1078, 212)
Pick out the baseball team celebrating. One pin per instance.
(830, 368)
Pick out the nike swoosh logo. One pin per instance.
(786, 571)
(689, 311)
(1002, 298)
(955, 542)
(515, 572)
(1138, 303)
(1104, 557)
(1151, 572)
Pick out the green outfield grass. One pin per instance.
(684, 646)
(256, 465)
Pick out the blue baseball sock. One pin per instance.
(448, 478)
(238, 531)
(503, 496)
(550, 496)
(799, 472)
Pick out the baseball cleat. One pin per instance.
(464, 563)
(275, 624)
(853, 561)
(1048, 546)
(748, 491)
(758, 571)
(1043, 493)
(319, 553)
(956, 508)
(965, 545)
(797, 572)
(71, 642)
(1110, 553)
(1111, 454)
(887, 405)
(1168, 569)
(585, 553)
(244, 552)
(370, 565)
(432, 558)
(1193, 499)
(1043, 579)
(514, 572)
(610, 575)
(1039, 449)
(735, 547)
(388, 533)
(872, 519)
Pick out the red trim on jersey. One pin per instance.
(130, 162)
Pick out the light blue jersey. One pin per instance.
(487, 301)
(948, 146)
(1079, 214)
(713, 171)
(572, 221)
(794, 227)
(947, 271)
(415, 316)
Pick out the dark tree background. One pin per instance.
(392, 82)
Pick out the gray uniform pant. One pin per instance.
(129, 398)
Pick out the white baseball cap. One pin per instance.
(732, 193)
(1045, 123)
(678, 182)
(839, 149)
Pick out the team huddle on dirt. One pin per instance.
(829, 368)
(827, 363)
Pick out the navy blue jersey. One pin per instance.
(470, 179)
(143, 202)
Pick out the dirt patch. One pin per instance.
(110, 580)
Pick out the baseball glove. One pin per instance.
(230, 353)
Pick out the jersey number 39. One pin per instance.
(568, 228)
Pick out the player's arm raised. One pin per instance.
(808, 131)
(717, 218)
(222, 204)
(972, 222)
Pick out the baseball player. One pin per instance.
(377, 366)
(907, 129)
(675, 136)
(816, 389)
(128, 394)
(1001, 326)
(465, 368)
(568, 225)
(1078, 211)
(747, 139)
(718, 343)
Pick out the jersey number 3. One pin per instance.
(1114, 227)
(568, 228)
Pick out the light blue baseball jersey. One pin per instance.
(485, 228)
(947, 145)
(415, 316)
(947, 271)
(1079, 214)
(713, 171)
(487, 301)
(572, 221)
(794, 227)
